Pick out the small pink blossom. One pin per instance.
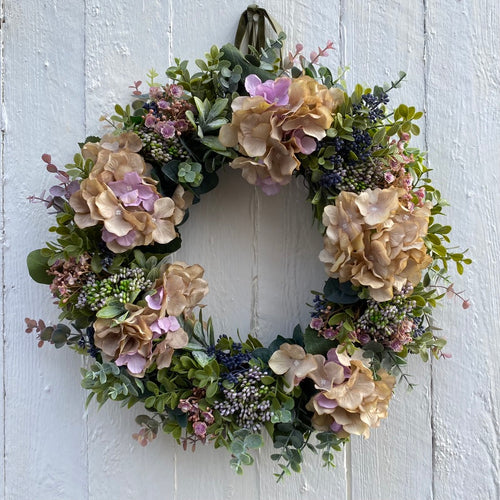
(166, 129)
(200, 428)
(389, 178)
(208, 417)
(155, 92)
(185, 406)
(150, 120)
(162, 104)
(176, 90)
(316, 323)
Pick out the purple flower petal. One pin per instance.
(252, 83)
(268, 186)
(134, 362)
(324, 402)
(336, 427)
(154, 301)
(306, 144)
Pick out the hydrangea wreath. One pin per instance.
(118, 208)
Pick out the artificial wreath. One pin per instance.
(119, 208)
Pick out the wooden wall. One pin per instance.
(66, 62)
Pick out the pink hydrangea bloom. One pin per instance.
(124, 241)
(132, 192)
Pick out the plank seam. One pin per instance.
(85, 84)
(425, 54)
(2, 174)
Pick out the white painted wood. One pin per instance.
(2, 253)
(463, 130)
(45, 432)
(67, 62)
(380, 40)
(123, 41)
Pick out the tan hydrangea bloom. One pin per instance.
(164, 350)
(373, 241)
(180, 289)
(268, 136)
(115, 156)
(133, 335)
(130, 226)
(358, 403)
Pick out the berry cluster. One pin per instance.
(248, 401)
(372, 106)
(352, 168)
(391, 323)
(159, 148)
(125, 286)
(234, 360)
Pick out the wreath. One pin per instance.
(119, 209)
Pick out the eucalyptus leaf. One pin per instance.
(38, 267)
(340, 293)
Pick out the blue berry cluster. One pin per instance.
(319, 305)
(351, 167)
(234, 360)
(87, 342)
(372, 106)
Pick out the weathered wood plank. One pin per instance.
(45, 434)
(381, 39)
(220, 236)
(123, 41)
(2, 253)
(287, 245)
(463, 129)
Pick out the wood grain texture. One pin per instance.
(380, 40)
(66, 62)
(463, 130)
(123, 41)
(45, 445)
(2, 255)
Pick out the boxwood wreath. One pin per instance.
(136, 314)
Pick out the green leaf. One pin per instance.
(108, 312)
(314, 343)
(212, 389)
(340, 293)
(254, 441)
(38, 266)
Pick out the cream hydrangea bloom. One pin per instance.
(358, 403)
(292, 361)
(371, 240)
(268, 135)
(126, 225)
